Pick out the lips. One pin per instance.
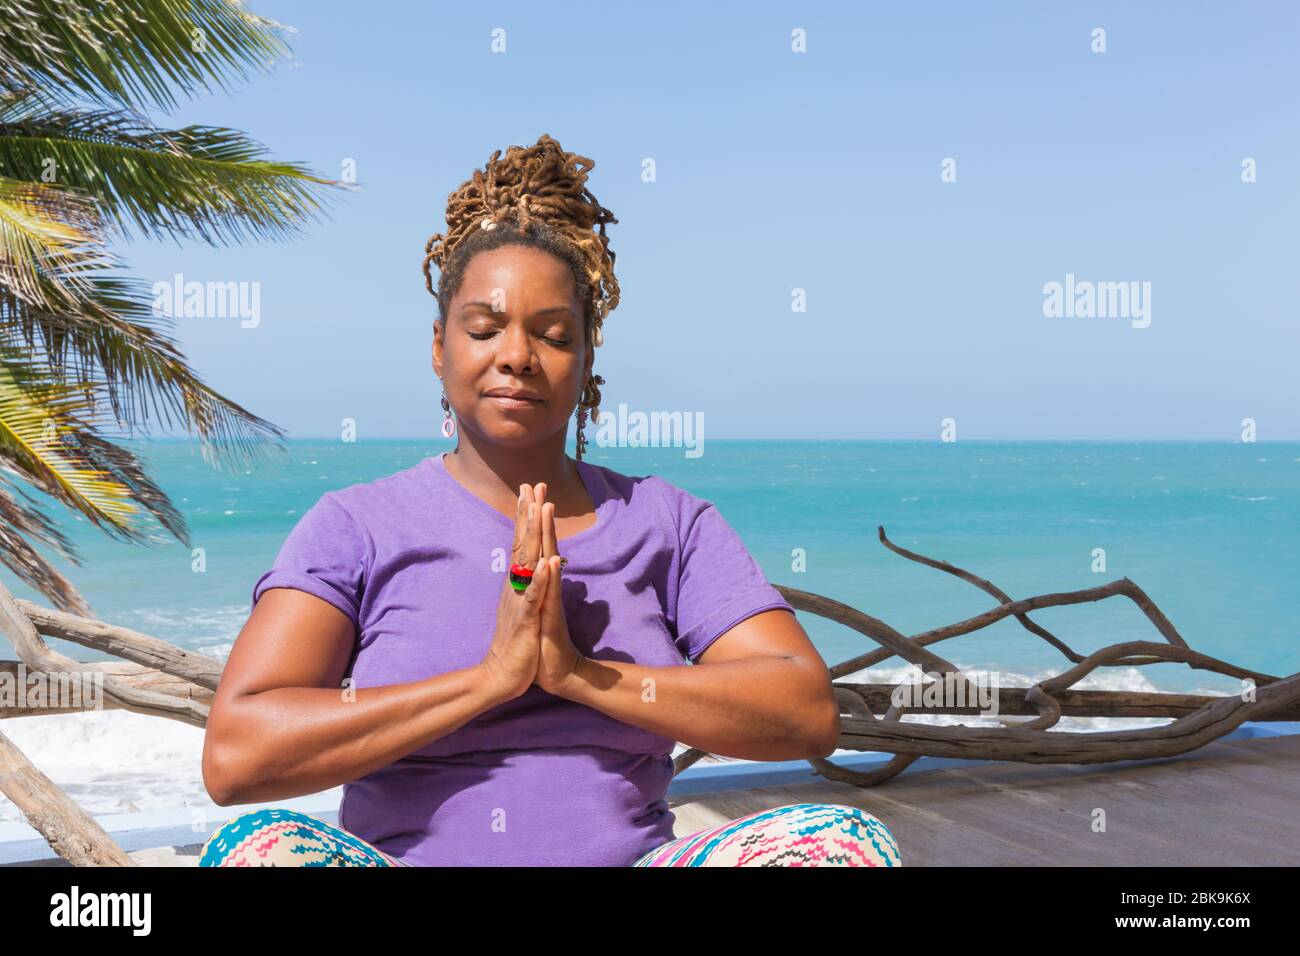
(515, 394)
(513, 397)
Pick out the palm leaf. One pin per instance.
(133, 51)
(34, 418)
(20, 525)
(113, 342)
(48, 439)
(202, 182)
(47, 233)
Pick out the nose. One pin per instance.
(515, 353)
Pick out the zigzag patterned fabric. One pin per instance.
(279, 837)
(798, 834)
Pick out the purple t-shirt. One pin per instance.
(416, 561)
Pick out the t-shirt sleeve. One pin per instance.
(324, 555)
(719, 583)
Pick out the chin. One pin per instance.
(511, 433)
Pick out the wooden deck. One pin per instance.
(1230, 803)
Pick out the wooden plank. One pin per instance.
(1230, 803)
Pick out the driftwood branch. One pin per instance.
(142, 677)
(162, 680)
(875, 698)
(1202, 726)
(1197, 719)
(39, 656)
(71, 832)
(124, 643)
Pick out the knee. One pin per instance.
(250, 819)
(875, 840)
(238, 828)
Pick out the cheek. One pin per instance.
(469, 361)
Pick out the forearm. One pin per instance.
(760, 708)
(292, 741)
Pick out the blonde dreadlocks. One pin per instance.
(536, 196)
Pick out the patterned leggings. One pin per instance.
(798, 834)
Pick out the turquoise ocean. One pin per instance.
(1210, 531)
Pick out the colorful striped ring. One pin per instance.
(520, 577)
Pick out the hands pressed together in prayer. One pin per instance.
(531, 643)
(766, 695)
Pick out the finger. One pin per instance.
(550, 604)
(555, 578)
(548, 530)
(536, 592)
(539, 495)
(523, 555)
(521, 511)
(533, 538)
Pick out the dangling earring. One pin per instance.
(590, 398)
(449, 424)
(582, 423)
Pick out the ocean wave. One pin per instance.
(113, 761)
(191, 627)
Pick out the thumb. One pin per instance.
(551, 606)
(536, 589)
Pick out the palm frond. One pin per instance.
(118, 342)
(48, 439)
(133, 51)
(20, 525)
(49, 241)
(35, 416)
(203, 182)
(123, 468)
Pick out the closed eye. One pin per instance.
(487, 335)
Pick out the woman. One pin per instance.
(504, 705)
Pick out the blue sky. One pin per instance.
(819, 170)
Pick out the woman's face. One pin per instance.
(515, 324)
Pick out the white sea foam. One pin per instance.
(196, 627)
(113, 761)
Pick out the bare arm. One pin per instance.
(282, 726)
(759, 692)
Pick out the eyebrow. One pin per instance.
(488, 305)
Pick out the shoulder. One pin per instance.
(654, 495)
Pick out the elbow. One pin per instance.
(220, 778)
(215, 781)
(825, 735)
(232, 756)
